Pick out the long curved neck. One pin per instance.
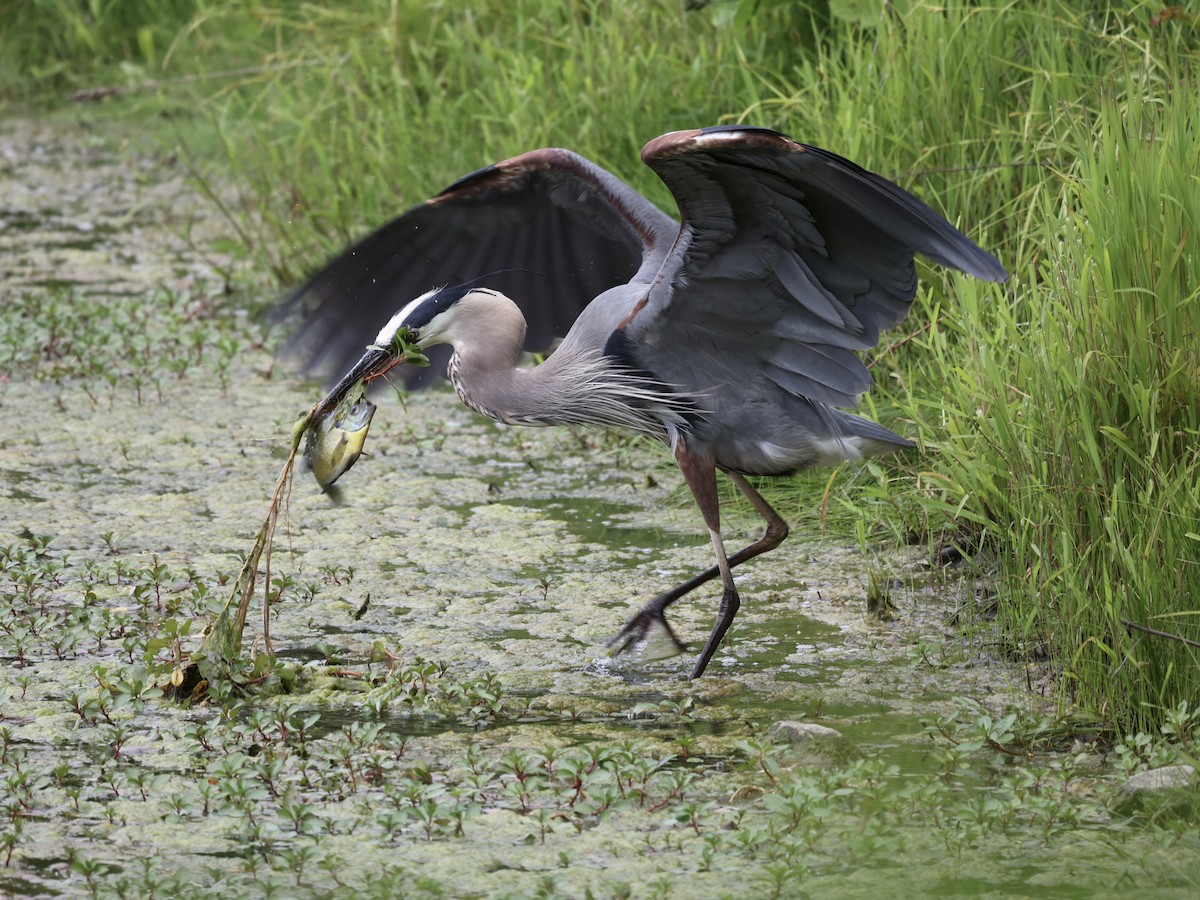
(572, 387)
(486, 332)
(485, 380)
(577, 385)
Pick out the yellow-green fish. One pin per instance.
(335, 441)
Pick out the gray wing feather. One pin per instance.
(790, 258)
(549, 228)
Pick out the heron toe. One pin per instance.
(637, 631)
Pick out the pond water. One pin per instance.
(454, 725)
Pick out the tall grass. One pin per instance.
(50, 47)
(1058, 414)
(396, 100)
(1072, 419)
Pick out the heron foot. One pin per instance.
(638, 627)
(730, 604)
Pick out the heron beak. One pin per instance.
(374, 363)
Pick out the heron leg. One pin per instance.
(655, 610)
(726, 612)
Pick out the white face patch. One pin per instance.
(388, 332)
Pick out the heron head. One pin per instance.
(447, 315)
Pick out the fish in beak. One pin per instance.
(337, 426)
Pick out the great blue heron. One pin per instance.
(731, 338)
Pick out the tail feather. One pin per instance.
(853, 437)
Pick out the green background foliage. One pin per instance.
(1058, 415)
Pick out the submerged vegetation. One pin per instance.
(1058, 417)
(106, 792)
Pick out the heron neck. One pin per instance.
(570, 388)
(487, 382)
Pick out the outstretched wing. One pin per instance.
(549, 228)
(789, 259)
